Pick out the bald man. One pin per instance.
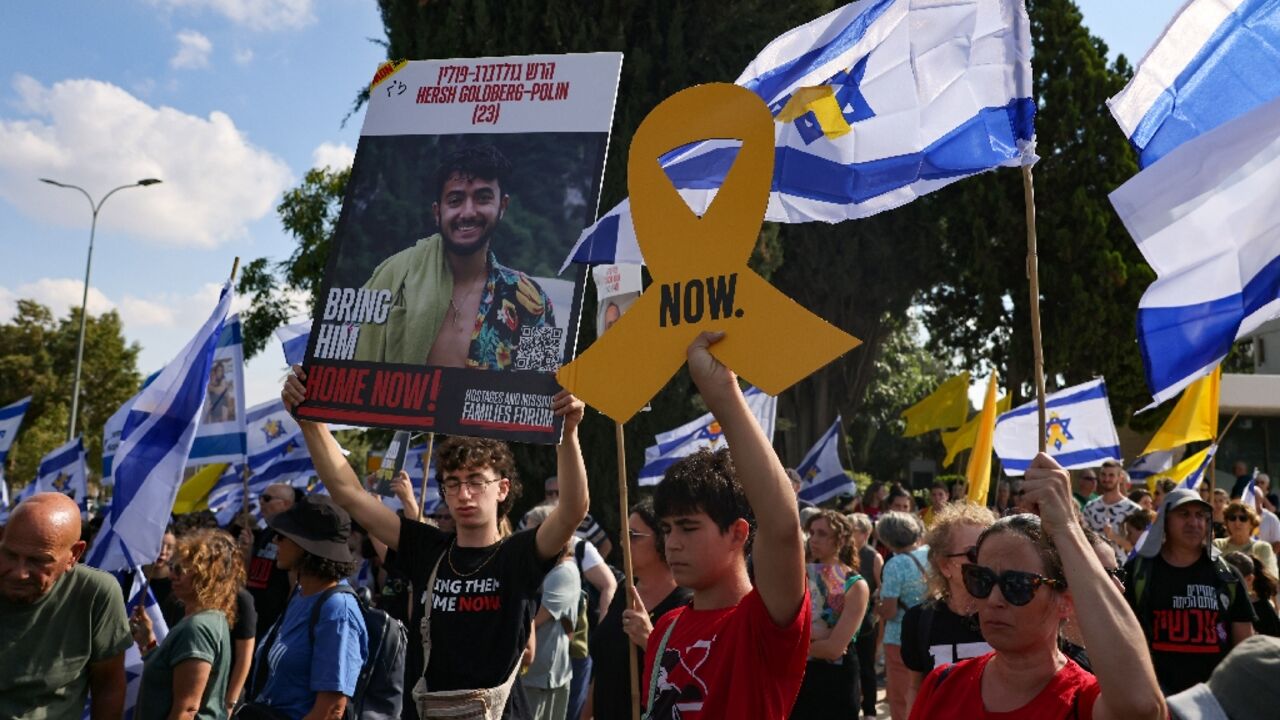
(268, 584)
(63, 628)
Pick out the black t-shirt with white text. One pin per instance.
(951, 638)
(483, 604)
(1187, 614)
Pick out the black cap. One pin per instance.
(318, 525)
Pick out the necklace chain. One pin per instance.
(449, 556)
(457, 312)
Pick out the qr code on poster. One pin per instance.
(539, 349)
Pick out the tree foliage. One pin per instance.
(37, 358)
(960, 253)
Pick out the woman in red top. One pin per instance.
(1024, 567)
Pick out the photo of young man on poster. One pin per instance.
(454, 304)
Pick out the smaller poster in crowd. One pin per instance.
(442, 308)
(617, 287)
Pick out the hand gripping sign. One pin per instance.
(701, 281)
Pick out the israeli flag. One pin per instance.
(25, 493)
(704, 432)
(64, 470)
(821, 475)
(157, 438)
(113, 430)
(277, 454)
(293, 339)
(1079, 432)
(221, 435)
(1148, 465)
(140, 594)
(1217, 60)
(10, 420)
(1250, 495)
(877, 103)
(1203, 218)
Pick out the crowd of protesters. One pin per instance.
(1085, 598)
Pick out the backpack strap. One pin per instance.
(425, 627)
(657, 664)
(324, 597)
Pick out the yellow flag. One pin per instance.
(193, 496)
(963, 438)
(1195, 417)
(946, 407)
(978, 474)
(1180, 472)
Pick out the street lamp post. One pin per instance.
(84, 299)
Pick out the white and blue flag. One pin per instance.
(704, 432)
(10, 420)
(293, 340)
(1204, 219)
(221, 435)
(1205, 465)
(1150, 464)
(1079, 431)
(113, 429)
(277, 454)
(64, 470)
(892, 99)
(154, 446)
(1216, 60)
(821, 475)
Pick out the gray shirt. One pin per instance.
(561, 591)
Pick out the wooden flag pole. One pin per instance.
(426, 472)
(1033, 276)
(627, 570)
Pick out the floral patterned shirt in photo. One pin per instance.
(511, 301)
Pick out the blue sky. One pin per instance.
(229, 102)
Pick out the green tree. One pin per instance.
(37, 358)
(1091, 273)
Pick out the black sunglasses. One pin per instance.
(1016, 586)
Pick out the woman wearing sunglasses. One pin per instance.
(1031, 574)
(186, 675)
(1242, 524)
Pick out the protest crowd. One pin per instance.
(1061, 583)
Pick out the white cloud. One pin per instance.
(57, 294)
(254, 14)
(243, 56)
(334, 157)
(193, 51)
(96, 135)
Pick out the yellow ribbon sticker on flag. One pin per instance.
(701, 281)
(821, 101)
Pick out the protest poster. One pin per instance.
(617, 287)
(441, 308)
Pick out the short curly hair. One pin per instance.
(324, 568)
(456, 453)
(216, 567)
(482, 162)
(939, 538)
(705, 482)
(842, 526)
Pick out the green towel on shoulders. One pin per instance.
(421, 288)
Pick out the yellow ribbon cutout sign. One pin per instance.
(701, 281)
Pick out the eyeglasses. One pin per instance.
(1237, 518)
(970, 553)
(452, 485)
(1118, 573)
(637, 535)
(1016, 586)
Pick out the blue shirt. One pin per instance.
(902, 579)
(297, 670)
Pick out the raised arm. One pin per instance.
(338, 477)
(556, 530)
(1117, 646)
(778, 553)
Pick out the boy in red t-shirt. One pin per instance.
(737, 651)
